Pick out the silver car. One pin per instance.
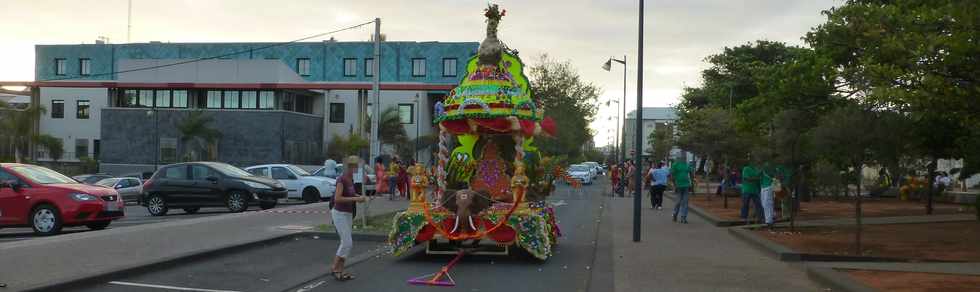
(129, 188)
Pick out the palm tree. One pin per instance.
(391, 131)
(18, 127)
(195, 128)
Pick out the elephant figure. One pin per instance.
(465, 203)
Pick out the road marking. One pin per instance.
(311, 286)
(168, 287)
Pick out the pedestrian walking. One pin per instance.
(658, 176)
(680, 171)
(750, 193)
(342, 209)
(630, 179)
(381, 178)
(614, 177)
(766, 194)
(392, 176)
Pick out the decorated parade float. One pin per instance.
(489, 192)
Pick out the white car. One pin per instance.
(299, 183)
(581, 172)
(596, 169)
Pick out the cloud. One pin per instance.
(678, 34)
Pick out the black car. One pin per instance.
(193, 185)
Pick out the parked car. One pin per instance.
(596, 169)
(91, 179)
(299, 183)
(143, 176)
(193, 185)
(369, 187)
(581, 172)
(46, 200)
(129, 188)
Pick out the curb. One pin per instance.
(783, 253)
(188, 257)
(708, 216)
(835, 280)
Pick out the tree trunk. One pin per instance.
(857, 213)
(932, 184)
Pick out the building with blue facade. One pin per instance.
(125, 104)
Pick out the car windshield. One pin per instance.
(230, 170)
(579, 168)
(43, 175)
(298, 170)
(109, 182)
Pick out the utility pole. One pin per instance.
(638, 133)
(129, 21)
(376, 94)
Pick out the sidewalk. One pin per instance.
(690, 257)
(44, 261)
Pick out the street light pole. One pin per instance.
(375, 93)
(621, 152)
(637, 140)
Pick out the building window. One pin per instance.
(57, 109)
(81, 111)
(418, 67)
(84, 66)
(369, 67)
(180, 98)
(231, 99)
(350, 67)
(132, 97)
(449, 67)
(336, 112)
(162, 98)
(59, 66)
(267, 100)
(81, 148)
(249, 99)
(146, 98)
(168, 150)
(303, 66)
(406, 113)
(214, 99)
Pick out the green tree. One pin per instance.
(842, 139)
(341, 147)
(392, 132)
(197, 134)
(17, 126)
(570, 101)
(55, 146)
(918, 57)
(710, 132)
(661, 140)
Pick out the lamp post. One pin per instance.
(616, 139)
(638, 192)
(607, 66)
(417, 126)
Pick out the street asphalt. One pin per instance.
(135, 215)
(302, 264)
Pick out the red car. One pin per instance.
(46, 200)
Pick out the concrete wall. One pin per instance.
(249, 137)
(71, 128)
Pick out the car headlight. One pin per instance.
(82, 197)
(256, 185)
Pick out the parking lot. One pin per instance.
(135, 215)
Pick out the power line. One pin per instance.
(214, 57)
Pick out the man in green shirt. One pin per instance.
(750, 191)
(680, 171)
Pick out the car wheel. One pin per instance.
(98, 225)
(191, 210)
(311, 195)
(46, 220)
(236, 202)
(156, 205)
(265, 205)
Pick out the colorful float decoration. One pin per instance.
(489, 190)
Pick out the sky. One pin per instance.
(678, 34)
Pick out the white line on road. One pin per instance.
(168, 287)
